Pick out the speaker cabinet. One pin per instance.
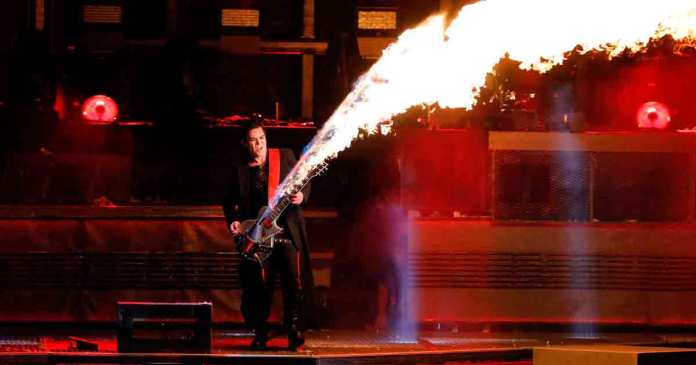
(164, 327)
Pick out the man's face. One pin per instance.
(256, 142)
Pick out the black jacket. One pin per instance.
(237, 205)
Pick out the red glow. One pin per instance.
(59, 103)
(653, 115)
(100, 109)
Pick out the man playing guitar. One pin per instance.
(248, 194)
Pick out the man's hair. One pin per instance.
(252, 124)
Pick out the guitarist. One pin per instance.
(248, 192)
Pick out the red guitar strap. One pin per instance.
(273, 172)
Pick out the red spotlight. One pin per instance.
(100, 109)
(653, 115)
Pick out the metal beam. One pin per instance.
(308, 62)
(308, 20)
(307, 86)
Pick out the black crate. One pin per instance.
(164, 327)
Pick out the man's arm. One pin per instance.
(230, 203)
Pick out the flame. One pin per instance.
(435, 63)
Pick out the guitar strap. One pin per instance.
(273, 172)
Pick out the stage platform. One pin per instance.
(24, 345)
(354, 347)
(322, 347)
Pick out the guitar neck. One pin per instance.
(283, 203)
(280, 207)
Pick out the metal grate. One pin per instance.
(542, 185)
(376, 19)
(185, 270)
(119, 270)
(101, 14)
(545, 271)
(642, 186)
(240, 18)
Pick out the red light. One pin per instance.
(653, 115)
(100, 109)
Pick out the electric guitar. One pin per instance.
(256, 241)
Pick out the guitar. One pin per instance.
(256, 241)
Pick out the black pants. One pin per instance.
(258, 284)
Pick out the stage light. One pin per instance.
(653, 115)
(240, 18)
(100, 109)
(377, 19)
(102, 14)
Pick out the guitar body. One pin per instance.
(256, 241)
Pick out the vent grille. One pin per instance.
(240, 18)
(544, 271)
(120, 270)
(542, 185)
(376, 20)
(642, 186)
(102, 14)
(186, 270)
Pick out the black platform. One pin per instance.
(37, 346)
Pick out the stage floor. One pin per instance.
(36, 346)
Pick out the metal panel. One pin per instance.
(642, 187)
(541, 185)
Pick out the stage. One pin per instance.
(497, 274)
(23, 345)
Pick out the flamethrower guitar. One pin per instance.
(256, 241)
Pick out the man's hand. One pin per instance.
(297, 198)
(234, 228)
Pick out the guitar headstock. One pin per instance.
(319, 170)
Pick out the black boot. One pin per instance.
(260, 341)
(295, 338)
